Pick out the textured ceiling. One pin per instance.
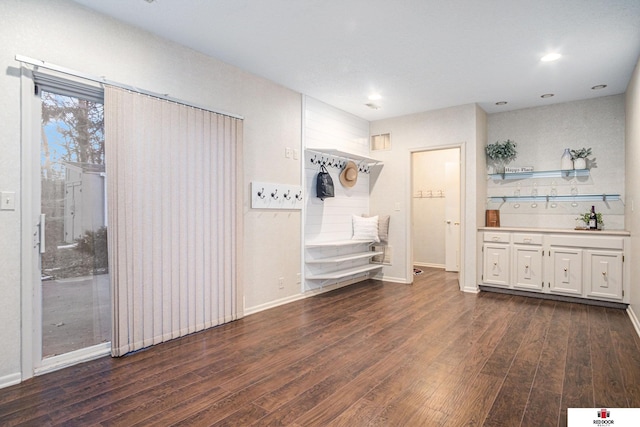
(419, 55)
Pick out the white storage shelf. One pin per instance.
(343, 258)
(337, 243)
(324, 258)
(339, 274)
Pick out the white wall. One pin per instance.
(632, 160)
(392, 193)
(429, 179)
(63, 33)
(542, 134)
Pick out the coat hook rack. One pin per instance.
(283, 196)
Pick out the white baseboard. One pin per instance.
(428, 265)
(272, 304)
(306, 294)
(634, 320)
(471, 289)
(9, 380)
(395, 280)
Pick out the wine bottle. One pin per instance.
(593, 219)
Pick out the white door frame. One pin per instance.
(31, 294)
(463, 208)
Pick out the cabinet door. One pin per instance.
(566, 271)
(604, 270)
(527, 267)
(496, 264)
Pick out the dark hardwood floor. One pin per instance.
(370, 354)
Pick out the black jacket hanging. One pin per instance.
(324, 184)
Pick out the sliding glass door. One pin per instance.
(74, 285)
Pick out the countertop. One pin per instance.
(557, 230)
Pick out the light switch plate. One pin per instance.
(8, 200)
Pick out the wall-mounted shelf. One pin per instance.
(337, 243)
(541, 174)
(344, 155)
(567, 198)
(339, 274)
(343, 258)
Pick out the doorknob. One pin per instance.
(448, 221)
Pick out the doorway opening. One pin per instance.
(436, 210)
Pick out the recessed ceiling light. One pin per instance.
(373, 106)
(550, 57)
(546, 95)
(375, 97)
(598, 87)
(501, 103)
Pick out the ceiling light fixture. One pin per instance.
(598, 87)
(501, 103)
(550, 57)
(375, 97)
(547, 95)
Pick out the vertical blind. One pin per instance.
(174, 213)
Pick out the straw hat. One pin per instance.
(349, 175)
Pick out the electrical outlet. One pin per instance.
(287, 152)
(281, 283)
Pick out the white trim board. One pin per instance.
(11, 379)
(634, 319)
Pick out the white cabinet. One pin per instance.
(565, 271)
(576, 264)
(496, 264)
(604, 274)
(527, 271)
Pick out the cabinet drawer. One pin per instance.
(596, 242)
(527, 239)
(496, 237)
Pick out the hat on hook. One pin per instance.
(349, 175)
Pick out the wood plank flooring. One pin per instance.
(370, 354)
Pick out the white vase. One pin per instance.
(580, 163)
(565, 161)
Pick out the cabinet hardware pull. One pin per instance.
(604, 273)
(526, 267)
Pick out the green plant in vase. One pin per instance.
(501, 153)
(579, 157)
(585, 219)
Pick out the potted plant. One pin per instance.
(501, 153)
(579, 157)
(584, 218)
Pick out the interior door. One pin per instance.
(452, 216)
